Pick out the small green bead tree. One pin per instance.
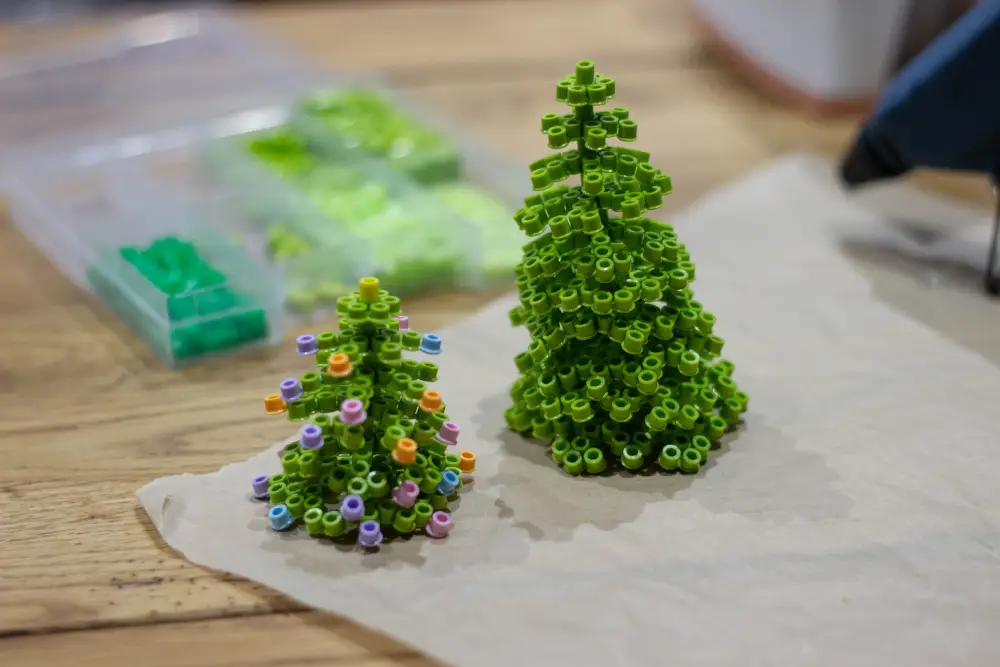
(623, 365)
(372, 457)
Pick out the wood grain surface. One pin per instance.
(90, 415)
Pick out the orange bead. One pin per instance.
(430, 401)
(405, 452)
(273, 405)
(339, 365)
(466, 461)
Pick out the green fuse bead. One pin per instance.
(702, 445)
(690, 461)
(621, 410)
(572, 462)
(430, 482)
(559, 449)
(333, 524)
(632, 457)
(577, 95)
(387, 511)
(689, 363)
(648, 382)
(558, 138)
(594, 461)
(438, 501)
(313, 520)
(669, 458)
(644, 442)
(290, 462)
(717, 427)
(422, 511)
(657, 418)
(308, 464)
(597, 388)
(616, 440)
(686, 418)
(581, 411)
(277, 493)
(628, 130)
(298, 409)
(378, 485)
(358, 487)
(296, 505)
(541, 428)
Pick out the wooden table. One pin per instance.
(90, 415)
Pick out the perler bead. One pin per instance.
(406, 494)
(290, 389)
(352, 412)
(439, 525)
(431, 344)
(623, 368)
(311, 437)
(448, 434)
(370, 461)
(369, 535)
(306, 344)
(260, 485)
(280, 517)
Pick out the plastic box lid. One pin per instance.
(141, 75)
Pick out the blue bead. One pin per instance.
(448, 483)
(281, 518)
(430, 344)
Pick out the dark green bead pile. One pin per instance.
(623, 368)
(204, 314)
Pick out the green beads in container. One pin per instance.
(372, 122)
(176, 300)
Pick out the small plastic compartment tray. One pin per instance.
(161, 265)
(366, 120)
(328, 222)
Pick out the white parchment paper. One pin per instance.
(853, 522)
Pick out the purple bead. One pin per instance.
(290, 389)
(352, 412)
(352, 508)
(448, 433)
(311, 437)
(404, 322)
(369, 535)
(260, 487)
(306, 344)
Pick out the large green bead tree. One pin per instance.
(623, 367)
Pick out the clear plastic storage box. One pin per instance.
(180, 140)
(163, 266)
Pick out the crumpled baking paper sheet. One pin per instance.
(854, 521)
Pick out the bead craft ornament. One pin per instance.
(623, 368)
(376, 456)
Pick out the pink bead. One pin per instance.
(448, 433)
(406, 494)
(352, 412)
(404, 322)
(440, 525)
